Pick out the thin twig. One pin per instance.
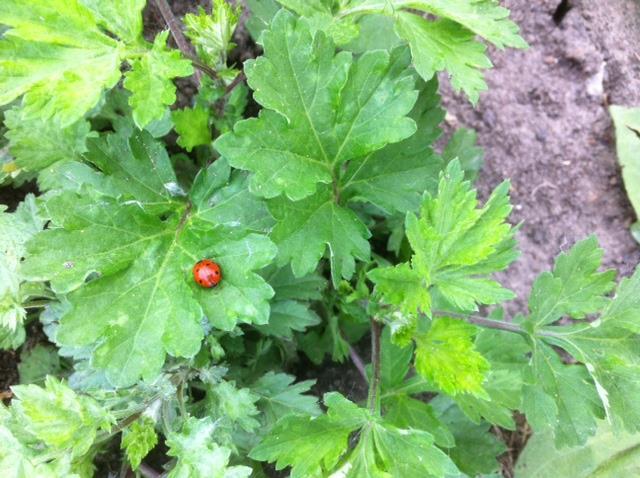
(374, 385)
(483, 321)
(147, 471)
(222, 102)
(357, 361)
(176, 33)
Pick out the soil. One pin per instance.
(544, 123)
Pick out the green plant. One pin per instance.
(331, 216)
(627, 123)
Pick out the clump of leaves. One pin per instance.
(331, 216)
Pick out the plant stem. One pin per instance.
(178, 36)
(484, 322)
(374, 385)
(357, 361)
(147, 471)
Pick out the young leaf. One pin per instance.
(149, 81)
(59, 417)
(198, 455)
(454, 245)
(192, 124)
(211, 34)
(142, 250)
(446, 356)
(61, 55)
(139, 439)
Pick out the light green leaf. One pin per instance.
(627, 123)
(454, 245)
(57, 56)
(15, 230)
(574, 287)
(446, 356)
(59, 417)
(149, 81)
(192, 124)
(233, 404)
(122, 17)
(37, 144)
(198, 455)
(483, 17)
(318, 111)
(143, 300)
(280, 396)
(138, 440)
(212, 34)
(608, 454)
(311, 444)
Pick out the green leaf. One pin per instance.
(138, 440)
(311, 444)
(289, 316)
(212, 34)
(395, 177)
(410, 452)
(454, 246)
(462, 145)
(37, 144)
(140, 253)
(451, 47)
(57, 56)
(149, 81)
(122, 17)
(198, 455)
(446, 356)
(280, 396)
(561, 397)
(318, 110)
(608, 454)
(410, 413)
(233, 404)
(59, 417)
(627, 124)
(476, 448)
(305, 228)
(38, 362)
(192, 124)
(483, 17)
(15, 230)
(574, 287)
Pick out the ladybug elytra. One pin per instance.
(207, 273)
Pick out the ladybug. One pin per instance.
(207, 273)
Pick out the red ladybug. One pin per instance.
(207, 273)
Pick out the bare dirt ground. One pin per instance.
(544, 123)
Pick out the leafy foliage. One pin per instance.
(59, 56)
(331, 215)
(627, 123)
